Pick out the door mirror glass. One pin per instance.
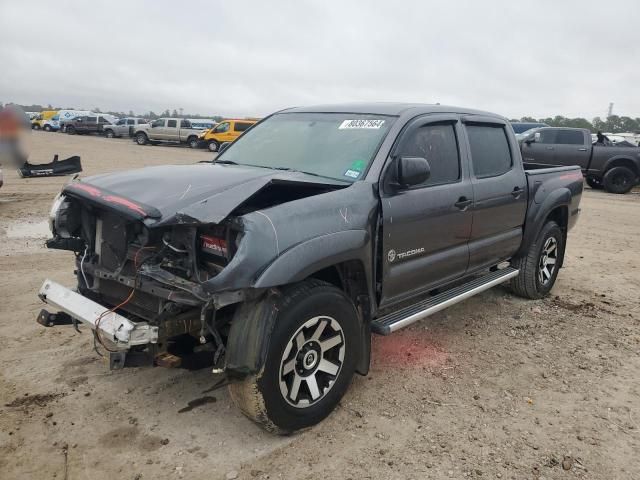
(412, 171)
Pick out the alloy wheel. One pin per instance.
(548, 260)
(312, 361)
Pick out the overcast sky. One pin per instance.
(248, 57)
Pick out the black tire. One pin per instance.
(192, 142)
(47, 128)
(532, 282)
(71, 130)
(619, 180)
(269, 398)
(35, 126)
(594, 183)
(109, 134)
(141, 138)
(213, 146)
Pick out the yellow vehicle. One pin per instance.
(43, 119)
(226, 131)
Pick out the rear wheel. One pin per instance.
(213, 146)
(141, 139)
(539, 267)
(594, 183)
(311, 358)
(35, 126)
(71, 130)
(47, 128)
(193, 142)
(619, 180)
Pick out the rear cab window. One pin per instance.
(570, 137)
(490, 151)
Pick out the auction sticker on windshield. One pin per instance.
(348, 124)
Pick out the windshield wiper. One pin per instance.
(226, 162)
(289, 169)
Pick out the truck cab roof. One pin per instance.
(388, 108)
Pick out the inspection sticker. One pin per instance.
(352, 173)
(348, 124)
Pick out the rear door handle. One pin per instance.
(463, 203)
(582, 149)
(517, 191)
(549, 148)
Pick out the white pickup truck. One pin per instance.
(167, 130)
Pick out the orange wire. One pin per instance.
(127, 300)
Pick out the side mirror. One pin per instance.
(223, 147)
(412, 171)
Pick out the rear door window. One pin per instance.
(131, 121)
(91, 119)
(172, 123)
(490, 152)
(570, 137)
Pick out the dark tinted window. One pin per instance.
(570, 137)
(131, 121)
(158, 123)
(436, 143)
(120, 122)
(490, 151)
(103, 120)
(241, 126)
(91, 119)
(185, 124)
(172, 123)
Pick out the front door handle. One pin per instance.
(582, 149)
(463, 203)
(549, 148)
(517, 191)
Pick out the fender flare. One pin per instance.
(308, 257)
(535, 219)
(628, 158)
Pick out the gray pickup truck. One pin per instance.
(167, 130)
(315, 229)
(614, 168)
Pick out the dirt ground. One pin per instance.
(495, 387)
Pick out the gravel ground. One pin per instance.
(495, 387)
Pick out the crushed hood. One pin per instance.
(186, 194)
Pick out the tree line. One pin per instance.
(611, 124)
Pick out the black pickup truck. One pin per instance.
(314, 229)
(614, 168)
(86, 124)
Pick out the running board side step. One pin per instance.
(408, 315)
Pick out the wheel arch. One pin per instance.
(554, 207)
(623, 161)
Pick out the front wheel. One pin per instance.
(311, 358)
(47, 128)
(618, 180)
(213, 146)
(109, 134)
(539, 267)
(71, 130)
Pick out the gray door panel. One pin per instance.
(424, 233)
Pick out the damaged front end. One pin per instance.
(140, 287)
(163, 283)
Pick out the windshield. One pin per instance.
(334, 145)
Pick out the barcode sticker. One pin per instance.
(367, 124)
